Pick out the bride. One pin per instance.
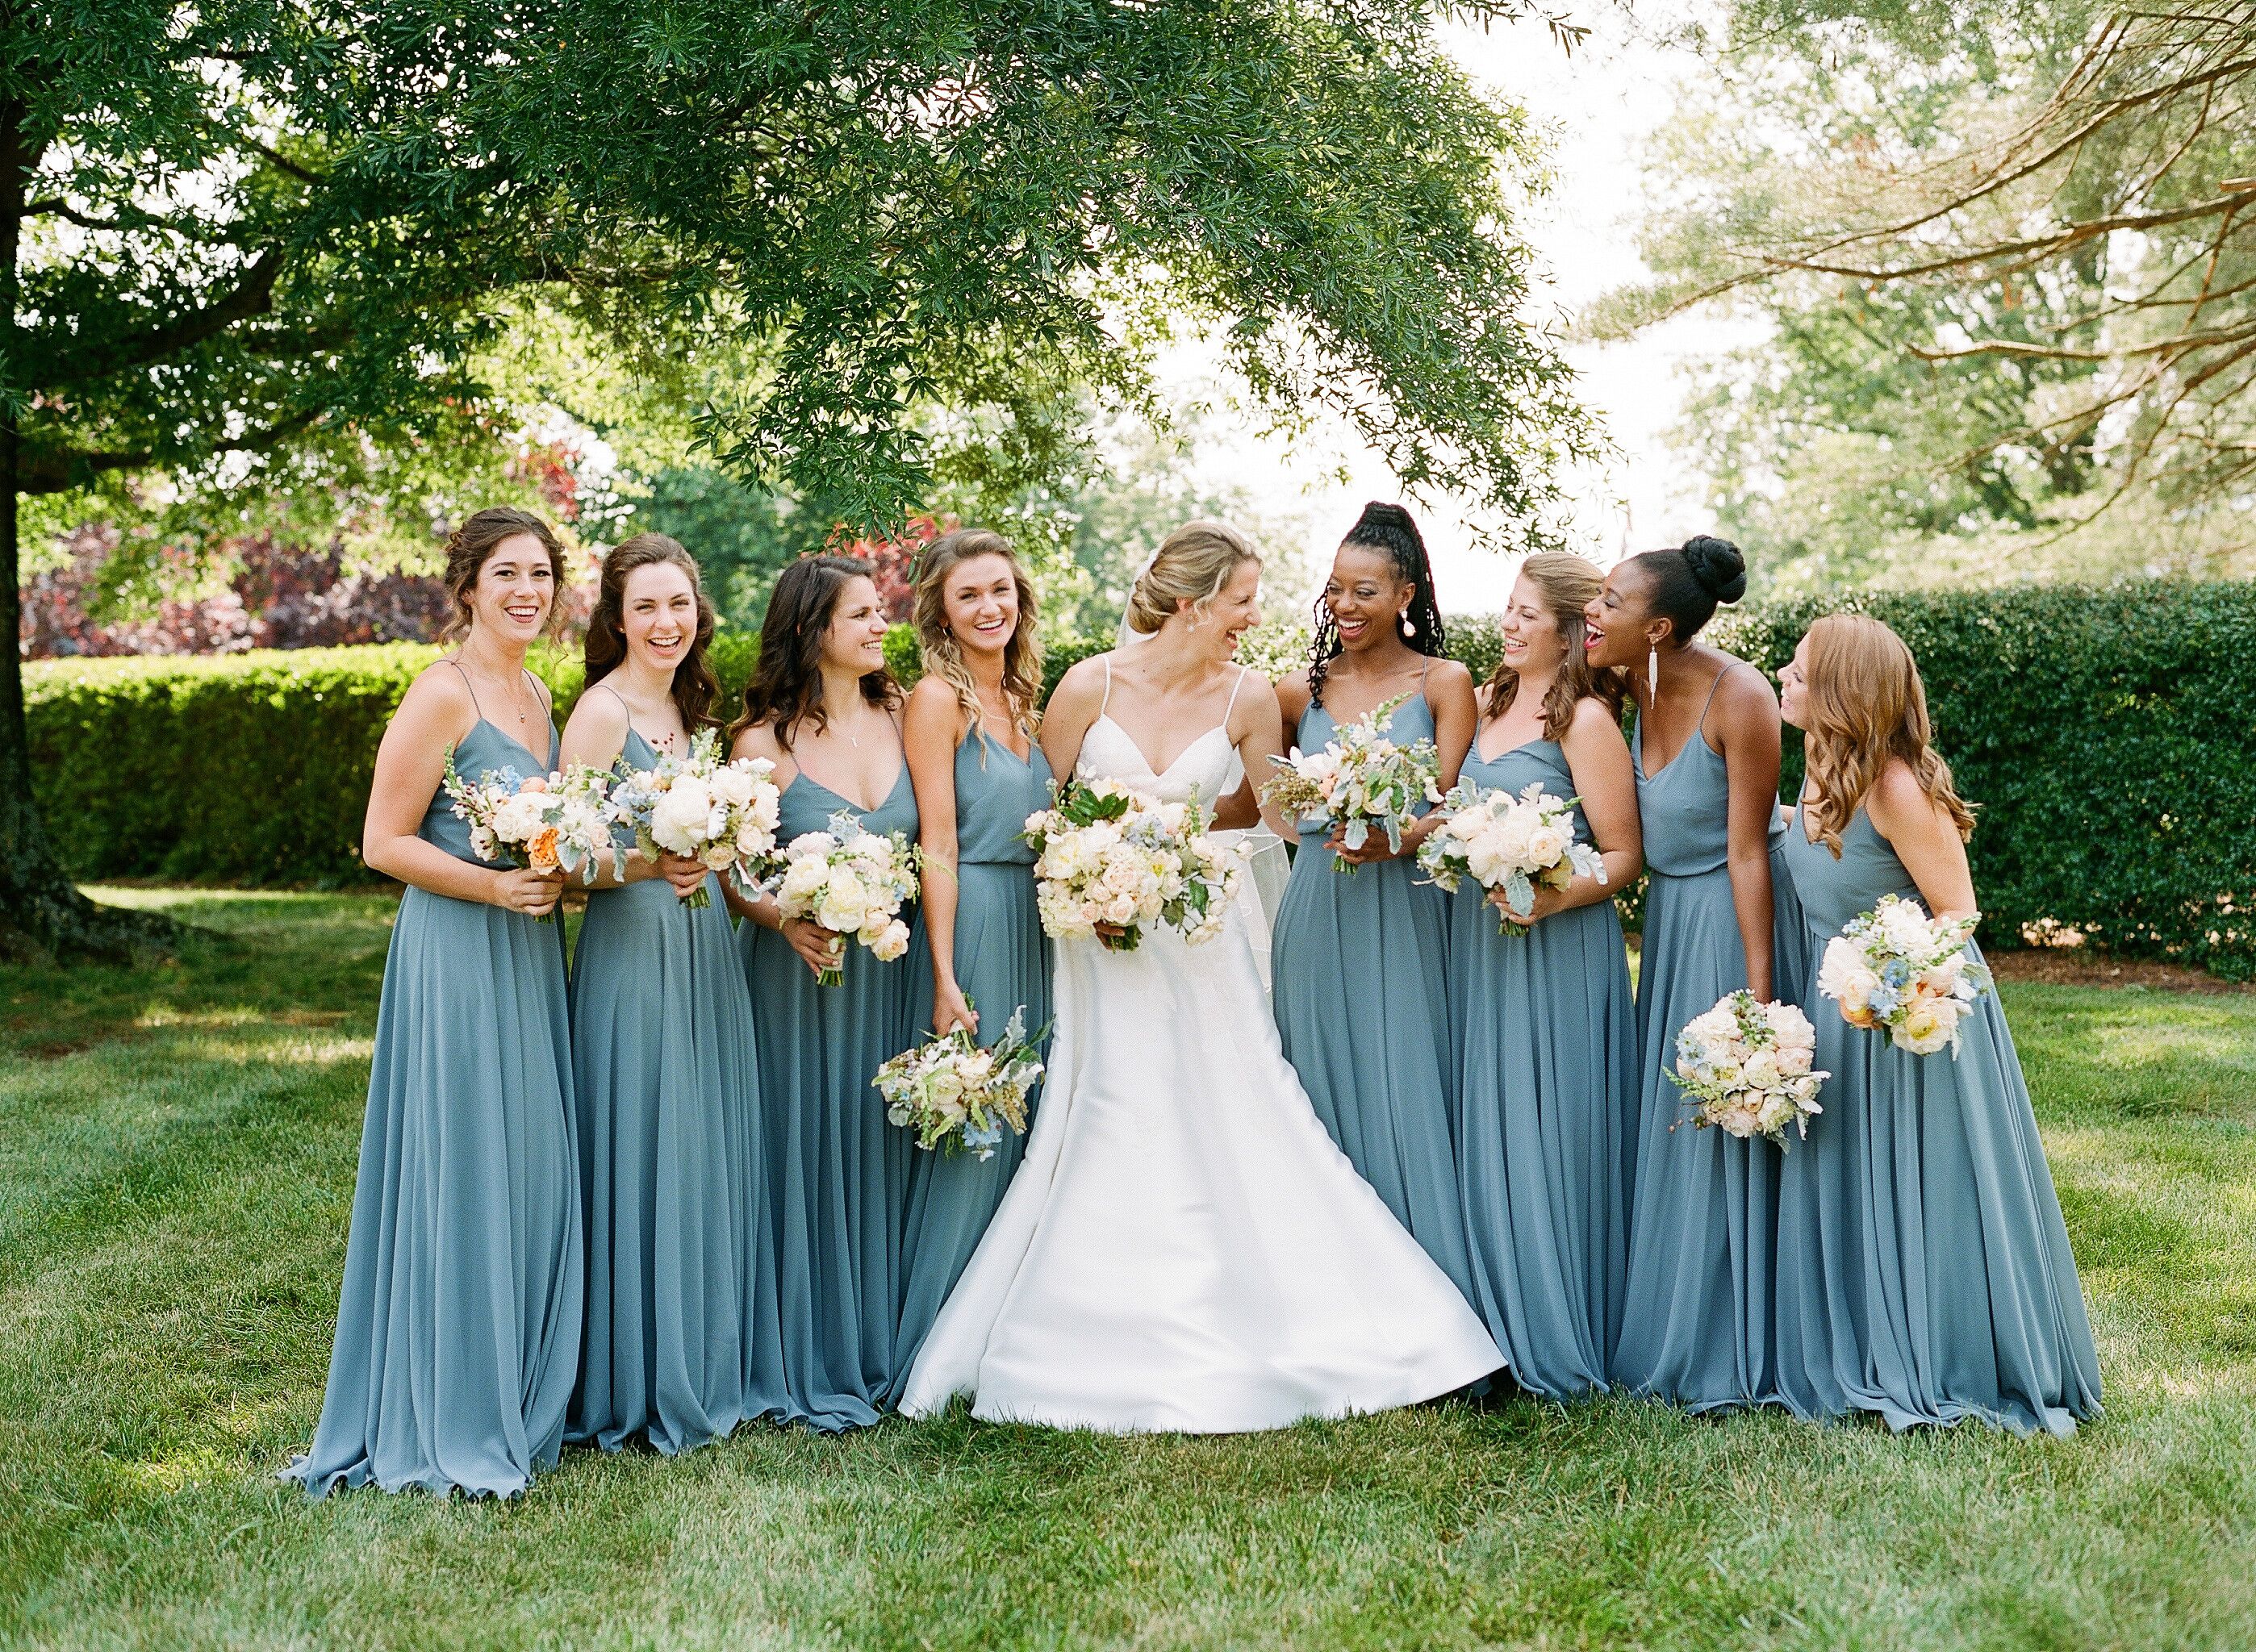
(1184, 1250)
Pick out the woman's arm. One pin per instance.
(596, 734)
(1925, 838)
(932, 728)
(1451, 698)
(816, 947)
(1746, 714)
(1066, 720)
(1257, 731)
(434, 716)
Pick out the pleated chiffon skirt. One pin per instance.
(1003, 963)
(681, 1342)
(459, 1319)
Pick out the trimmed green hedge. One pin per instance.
(2109, 735)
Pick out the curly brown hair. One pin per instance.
(1867, 707)
(1022, 654)
(469, 545)
(1566, 584)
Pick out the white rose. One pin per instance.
(892, 942)
(803, 880)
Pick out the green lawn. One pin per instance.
(176, 1161)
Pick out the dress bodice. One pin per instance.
(1537, 760)
(1833, 891)
(996, 789)
(1413, 722)
(1204, 767)
(1685, 808)
(485, 750)
(807, 805)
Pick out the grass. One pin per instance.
(176, 1162)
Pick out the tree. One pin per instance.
(252, 243)
(2008, 253)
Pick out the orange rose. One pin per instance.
(543, 852)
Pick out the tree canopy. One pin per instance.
(2007, 255)
(262, 245)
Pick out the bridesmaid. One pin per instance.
(458, 1325)
(678, 1278)
(1923, 1270)
(1545, 1027)
(978, 775)
(823, 708)
(1718, 916)
(1359, 961)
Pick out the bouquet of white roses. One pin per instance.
(549, 823)
(958, 1097)
(1509, 843)
(1896, 967)
(851, 880)
(1109, 860)
(1746, 1065)
(1362, 782)
(722, 813)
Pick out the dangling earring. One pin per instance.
(1651, 672)
(1409, 626)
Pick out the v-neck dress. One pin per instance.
(1357, 983)
(1923, 1270)
(458, 1321)
(665, 1068)
(1544, 1032)
(836, 1172)
(1696, 1325)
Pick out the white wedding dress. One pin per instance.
(1184, 1250)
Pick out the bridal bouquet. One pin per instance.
(722, 813)
(1509, 843)
(1362, 782)
(852, 882)
(958, 1097)
(1896, 967)
(1109, 860)
(1746, 1065)
(549, 823)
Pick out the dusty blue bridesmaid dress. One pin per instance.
(1923, 1270)
(665, 1066)
(458, 1324)
(1001, 963)
(1545, 1034)
(837, 1172)
(1364, 1012)
(1696, 1327)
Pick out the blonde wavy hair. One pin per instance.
(944, 655)
(1192, 564)
(1864, 706)
(1567, 584)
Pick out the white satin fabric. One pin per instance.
(1184, 1250)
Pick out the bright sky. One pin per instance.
(1598, 104)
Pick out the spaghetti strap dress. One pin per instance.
(1696, 1328)
(681, 1278)
(836, 1170)
(1924, 1273)
(458, 1321)
(1363, 1008)
(1002, 964)
(1544, 1033)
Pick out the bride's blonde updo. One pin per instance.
(1195, 562)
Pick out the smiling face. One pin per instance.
(515, 590)
(1533, 644)
(658, 616)
(1237, 608)
(980, 602)
(1793, 686)
(855, 639)
(1614, 623)
(1365, 596)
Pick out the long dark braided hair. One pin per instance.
(1392, 531)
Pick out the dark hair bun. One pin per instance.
(1384, 516)
(1718, 566)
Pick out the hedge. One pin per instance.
(2109, 734)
